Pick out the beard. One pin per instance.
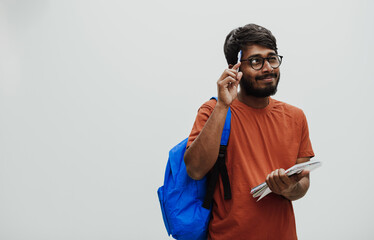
(248, 88)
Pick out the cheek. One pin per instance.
(277, 72)
(249, 75)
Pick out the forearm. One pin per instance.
(203, 152)
(299, 190)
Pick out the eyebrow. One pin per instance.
(259, 55)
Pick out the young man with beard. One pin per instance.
(267, 136)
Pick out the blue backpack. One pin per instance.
(186, 203)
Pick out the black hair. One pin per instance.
(239, 38)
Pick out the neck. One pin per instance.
(252, 101)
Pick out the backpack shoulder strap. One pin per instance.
(226, 129)
(219, 167)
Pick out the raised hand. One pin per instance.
(227, 85)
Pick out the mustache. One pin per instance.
(273, 75)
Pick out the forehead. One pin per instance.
(257, 50)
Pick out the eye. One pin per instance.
(256, 61)
(273, 59)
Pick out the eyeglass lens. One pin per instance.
(258, 62)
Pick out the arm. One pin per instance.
(203, 152)
(293, 187)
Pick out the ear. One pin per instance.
(230, 66)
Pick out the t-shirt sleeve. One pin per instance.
(305, 149)
(203, 115)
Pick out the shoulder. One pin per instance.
(208, 105)
(288, 109)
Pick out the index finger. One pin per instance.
(236, 66)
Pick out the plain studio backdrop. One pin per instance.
(93, 94)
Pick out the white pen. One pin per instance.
(239, 57)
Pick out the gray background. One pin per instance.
(93, 94)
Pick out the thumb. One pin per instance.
(301, 175)
(239, 76)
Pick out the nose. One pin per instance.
(267, 67)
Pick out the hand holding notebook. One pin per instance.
(262, 190)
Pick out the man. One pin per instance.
(267, 136)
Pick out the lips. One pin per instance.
(267, 79)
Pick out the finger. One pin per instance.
(268, 182)
(284, 178)
(304, 173)
(236, 66)
(229, 72)
(278, 179)
(271, 184)
(239, 76)
(225, 82)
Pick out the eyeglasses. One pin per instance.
(258, 62)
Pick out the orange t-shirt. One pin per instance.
(261, 140)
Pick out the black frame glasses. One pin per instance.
(257, 63)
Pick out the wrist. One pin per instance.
(222, 106)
